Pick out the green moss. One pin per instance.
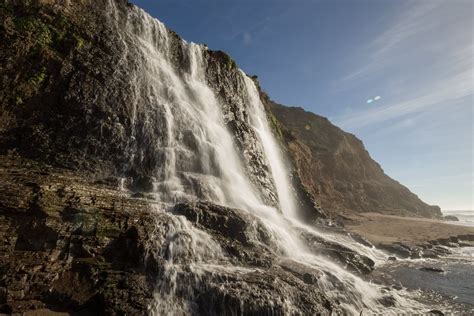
(38, 79)
(33, 30)
(275, 125)
(29, 87)
(6, 8)
(231, 64)
(39, 44)
(108, 230)
(79, 41)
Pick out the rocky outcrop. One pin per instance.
(80, 230)
(451, 218)
(429, 249)
(336, 169)
(76, 243)
(75, 105)
(68, 244)
(246, 232)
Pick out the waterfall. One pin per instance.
(196, 152)
(196, 159)
(272, 151)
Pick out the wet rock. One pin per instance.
(361, 240)
(105, 255)
(346, 257)
(431, 269)
(223, 75)
(67, 250)
(302, 272)
(431, 249)
(391, 258)
(309, 278)
(142, 183)
(387, 301)
(263, 294)
(450, 218)
(397, 287)
(430, 254)
(436, 312)
(401, 250)
(138, 195)
(466, 237)
(239, 232)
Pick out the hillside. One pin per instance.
(337, 170)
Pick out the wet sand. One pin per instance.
(388, 229)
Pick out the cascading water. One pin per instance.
(272, 152)
(198, 160)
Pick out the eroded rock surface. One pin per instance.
(71, 243)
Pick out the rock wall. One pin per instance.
(74, 243)
(69, 244)
(79, 231)
(81, 101)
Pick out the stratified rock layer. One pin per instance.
(74, 243)
(68, 244)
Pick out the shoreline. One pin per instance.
(383, 230)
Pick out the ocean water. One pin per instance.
(453, 288)
(456, 283)
(466, 218)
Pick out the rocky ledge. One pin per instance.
(429, 249)
(69, 244)
(72, 242)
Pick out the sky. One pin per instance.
(397, 74)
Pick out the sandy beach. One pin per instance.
(388, 229)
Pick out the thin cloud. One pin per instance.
(451, 89)
(449, 77)
(247, 34)
(407, 33)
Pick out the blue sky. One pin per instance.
(331, 57)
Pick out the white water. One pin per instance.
(466, 218)
(199, 161)
(272, 151)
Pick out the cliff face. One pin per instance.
(76, 93)
(337, 170)
(133, 178)
(74, 245)
(89, 162)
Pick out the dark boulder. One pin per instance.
(240, 233)
(346, 257)
(450, 218)
(431, 269)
